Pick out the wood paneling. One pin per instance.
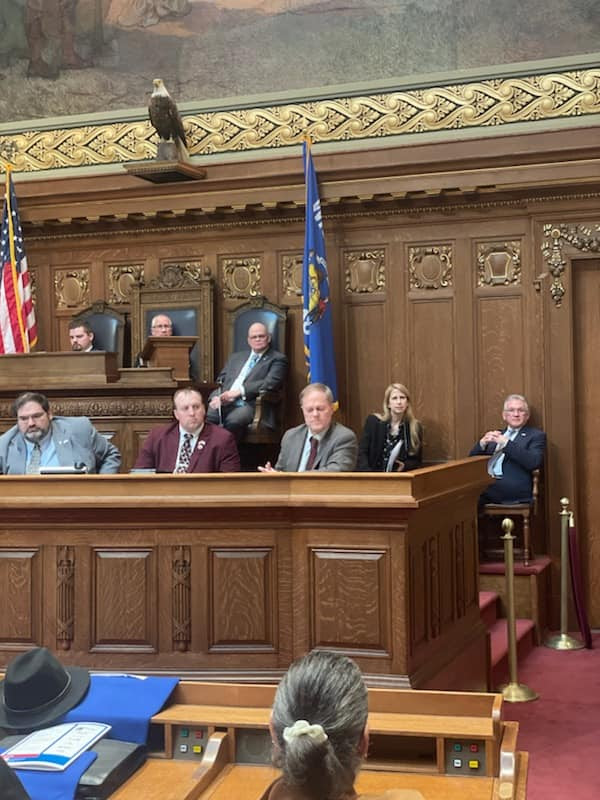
(181, 573)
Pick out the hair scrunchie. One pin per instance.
(303, 728)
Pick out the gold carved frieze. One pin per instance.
(72, 287)
(584, 238)
(122, 278)
(364, 271)
(241, 277)
(490, 102)
(291, 274)
(108, 407)
(499, 263)
(430, 267)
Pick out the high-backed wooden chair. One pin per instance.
(186, 295)
(526, 512)
(259, 309)
(109, 327)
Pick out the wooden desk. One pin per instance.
(236, 752)
(233, 576)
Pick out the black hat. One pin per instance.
(37, 690)
(11, 787)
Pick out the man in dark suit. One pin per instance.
(246, 375)
(82, 337)
(189, 444)
(515, 452)
(320, 443)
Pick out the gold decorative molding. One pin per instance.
(430, 267)
(492, 102)
(175, 275)
(581, 237)
(364, 271)
(498, 263)
(121, 280)
(291, 274)
(125, 407)
(72, 287)
(241, 277)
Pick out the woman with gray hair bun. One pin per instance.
(319, 730)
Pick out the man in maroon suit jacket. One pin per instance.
(190, 444)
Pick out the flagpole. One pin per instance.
(13, 262)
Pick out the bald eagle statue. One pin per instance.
(166, 120)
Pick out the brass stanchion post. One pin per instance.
(563, 641)
(513, 692)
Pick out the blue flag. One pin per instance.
(316, 313)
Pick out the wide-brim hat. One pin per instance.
(37, 689)
(11, 787)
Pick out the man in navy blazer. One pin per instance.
(246, 374)
(51, 441)
(209, 448)
(515, 452)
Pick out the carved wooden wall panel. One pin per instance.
(124, 588)
(501, 351)
(242, 599)
(433, 365)
(366, 353)
(349, 606)
(21, 579)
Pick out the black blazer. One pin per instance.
(372, 441)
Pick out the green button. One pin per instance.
(458, 748)
(185, 733)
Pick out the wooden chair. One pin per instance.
(186, 295)
(525, 511)
(269, 405)
(109, 327)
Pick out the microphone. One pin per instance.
(80, 466)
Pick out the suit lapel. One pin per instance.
(201, 443)
(324, 447)
(63, 445)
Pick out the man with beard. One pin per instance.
(81, 337)
(41, 440)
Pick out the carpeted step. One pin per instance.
(488, 607)
(499, 648)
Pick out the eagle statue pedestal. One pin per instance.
(167, 151)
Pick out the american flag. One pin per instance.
(18, 329)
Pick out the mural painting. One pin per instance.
(66, 57)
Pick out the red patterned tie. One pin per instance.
(312, 456)
(186, 453)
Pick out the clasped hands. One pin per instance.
(497, 437)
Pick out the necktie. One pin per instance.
(185, 454)
(312, 456)
(33, 468)
(496, 461)
(252, 362)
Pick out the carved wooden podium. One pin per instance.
(233, 576)
(170, 351)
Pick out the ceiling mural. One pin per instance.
(67, 57)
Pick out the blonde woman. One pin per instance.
(391, 441)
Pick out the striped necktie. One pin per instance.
(312, 456)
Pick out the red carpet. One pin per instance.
(561, 730)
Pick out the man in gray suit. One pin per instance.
(40, 439)
(320, 443)
(246, 375)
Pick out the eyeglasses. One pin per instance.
(33, 417)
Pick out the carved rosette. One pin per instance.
(121, 280)
(182, 616)
(241, 277)
(65, 597)
(364, 271)
(72, 287)
(291, 274)
(499, 263)
(430, 267)
(581, 237)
